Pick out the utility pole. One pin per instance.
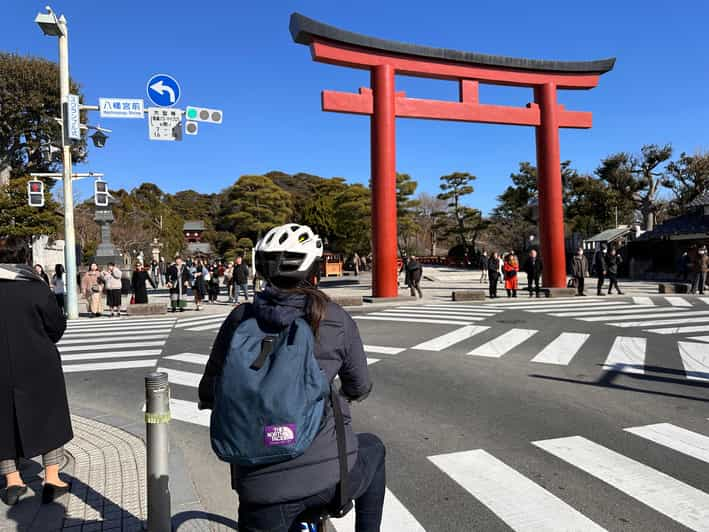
(69, 236)
(57, 27)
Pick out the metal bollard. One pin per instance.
(157, 418)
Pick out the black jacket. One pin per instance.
(339, 351)
(613, 262)
(414, 272)
(137, 282)
(600, 263)
(34, 412)
(533, 268)
(579, 266)
(493, 267)
(172, 278)
(241, 274)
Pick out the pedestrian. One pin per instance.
(503, 258)
(701, 268)
(363, 263)
(533, 268)
(683, 266)
(579, 271)
(92, 286)
(213, 284)
(272, 496)
(355, 263)
(229, 281)
(241, 279)
(493, 271)
(483, 267)
(112, 278)
(58, 286)
(178, 281)
(137, 282)
(511, 267)
(199, 283)
(600, 268)
(40, 271)
(613, 262)
(414, 272)
(162, 268)
(34, 417)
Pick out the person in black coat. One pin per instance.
(493, 273)
(600, 267)
(34, 411)
(178, 281)
(137, 282)
(414, 272)
(533, 267)
(613, 262)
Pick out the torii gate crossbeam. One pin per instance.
(385, 59)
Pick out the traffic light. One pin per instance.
(35, 193)
(191, 128)
(101, 193)
(202, 114)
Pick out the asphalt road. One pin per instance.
(579, 414)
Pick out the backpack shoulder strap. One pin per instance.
(344, 504)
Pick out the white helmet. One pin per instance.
(289, 251)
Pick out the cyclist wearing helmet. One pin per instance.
(271, 497)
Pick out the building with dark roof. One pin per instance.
(193, 230)
(657, 252)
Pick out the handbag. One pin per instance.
(132, 300)
(95, 288)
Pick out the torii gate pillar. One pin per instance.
(551, 212)
(384, 225)
(385, 59)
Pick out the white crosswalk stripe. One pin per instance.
(673, 321)
(447, 340)
(384, 317)
(645, 315)
(699, 338)
(669, 496)
(695, 359)
(435, 315)
(113, 344)
(643, 300)
(627, 355)
(395, 518)
(677, 301)
(519, 502)
(562, 349)
(504, 343)
(598, 307)
(676, 438)
(679, 330)
(625, 309)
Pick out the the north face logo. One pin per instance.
(279, 434)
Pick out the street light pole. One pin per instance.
(69, 235)
(57, 27)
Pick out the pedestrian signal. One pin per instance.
(35, 193)
(202, 114)
(101, 193)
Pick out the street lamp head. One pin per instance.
(49, 24)
(99, 138)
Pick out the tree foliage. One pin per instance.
(636, 180)
(462, 221)
(687, 178)
(406, 211)
(253, 205)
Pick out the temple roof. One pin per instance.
(700, 201)
(304, 29)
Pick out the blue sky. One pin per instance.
(238, 56)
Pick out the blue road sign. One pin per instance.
(163, 90)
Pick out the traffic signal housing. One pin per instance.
(35, 193)
(101, 194)
(202, 114)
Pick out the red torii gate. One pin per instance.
(384, 59)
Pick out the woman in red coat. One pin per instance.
(511, 268)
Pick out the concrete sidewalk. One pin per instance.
(106, 465)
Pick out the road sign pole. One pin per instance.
(72, 304)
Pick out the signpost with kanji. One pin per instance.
(164, 124)
(121, 107)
